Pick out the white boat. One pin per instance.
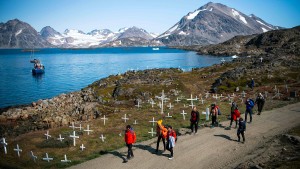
(223, 60)
(155, 48)
(234, 56)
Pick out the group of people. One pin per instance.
(169, 137)
(164, 133)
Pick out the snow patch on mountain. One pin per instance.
(264, 24)
(19, 31)
(192, 15)
(264, 29)
(237, 14)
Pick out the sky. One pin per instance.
(152, 15)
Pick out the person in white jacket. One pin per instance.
(171, 140)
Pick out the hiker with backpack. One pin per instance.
(249, 106)
(252, 84)
(241, 130)
(130, 138)
(214, 115)
(161, 133)
(194, 120)
(260, 101)
(171, 140)
(235, 114)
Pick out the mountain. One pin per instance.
(277, 42)
(18, 34)
(213, 23)
(72, 38)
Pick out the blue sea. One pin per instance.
(68, 70)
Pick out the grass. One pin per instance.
(184, 82)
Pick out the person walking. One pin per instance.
(130, 138)
(260, 101)
(194, 120)
(241, 130)
(161, 133)
(214, 115)
(252, 84)
(171, 139)
(249, 106)
(235, 113)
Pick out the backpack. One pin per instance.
(251, 103)
(219, 111)
(194, 116)
(133, 134)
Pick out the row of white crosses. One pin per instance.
(18, 150)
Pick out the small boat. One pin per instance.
(234, 56)
(223, 60)
(38, 68)
(155, 48)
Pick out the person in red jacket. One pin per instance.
(171, 139)
(130, 138)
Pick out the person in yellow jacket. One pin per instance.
(161, 133)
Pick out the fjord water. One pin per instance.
(71, 70)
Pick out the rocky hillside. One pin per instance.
(18, 34)
(284, 41)
(213, 23)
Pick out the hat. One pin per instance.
(159, 122)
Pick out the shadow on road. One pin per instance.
(224, 136)
(118, 154)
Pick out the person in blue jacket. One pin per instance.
(241, 129)
(249, 106)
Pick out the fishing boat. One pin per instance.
(38, 68)
(155, 48)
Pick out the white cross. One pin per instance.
(120, 134)
(102, 137)
(18, 150)
(135, 122)
(207, 94)
(47, 158)
(177, 100)
(125, 118)
(33, 156)
(65, 160)
(104, 119)
(170, 106)
(168, 115)
(82, 147)
(223, 60)
(74, 138)
(261, 59)
(73, 126)
(88, 129)
(159, 104)
(60, 138)
(191, 99)
(221, 96)
(286, 87)
(153, 121)
(184, 105)
(79, 127)
(47, 135)
(202, 101)
(192, 105)
(151, 132)
(277, 94)
(4, 145)
(216, 96)
(243, 94)
(183, 114)
(152, 103)
(233, 95)
(275, 88)
(138, 105)
(162, 98)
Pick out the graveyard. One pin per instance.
(79, 126)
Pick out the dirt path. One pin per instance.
(210, 148)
